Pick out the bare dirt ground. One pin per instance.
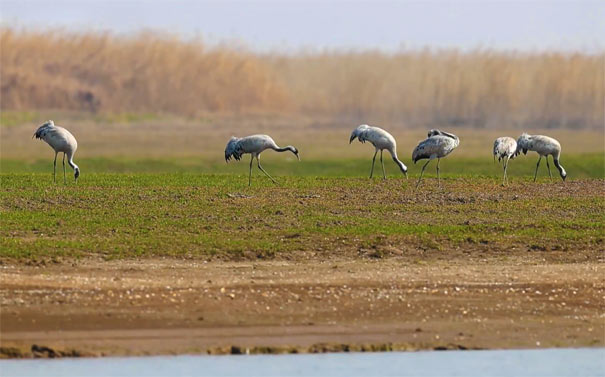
(168, 306)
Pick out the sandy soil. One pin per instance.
(177, 306)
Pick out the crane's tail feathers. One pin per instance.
(233, 149)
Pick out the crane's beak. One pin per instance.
(352, 138)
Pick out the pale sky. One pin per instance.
(293, 25)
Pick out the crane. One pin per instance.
(60, 140)
(437, 145)
(545, 146)
(255, 145)
(381, 140)
(505, 148)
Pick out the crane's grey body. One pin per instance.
(255, 145)
(505, 148)
(437, 145)
(60, 140)
(545, 146)
(381, 140)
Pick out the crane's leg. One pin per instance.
(64, 180)
(384, 176)
(505, 179)
(250, 171)
(438, 180)
(548, 166)
(537, 165)
(422, 172)
(373, 161)
(55, 168)
(263, 170)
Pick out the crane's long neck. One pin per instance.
(450, 136)
(287, 148)
(562, 171)
(71, 162)
(402, 167)
(284, 149)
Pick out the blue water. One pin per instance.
(548, 362)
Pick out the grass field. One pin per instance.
(199, 215)
(590, 165)
(164, 189)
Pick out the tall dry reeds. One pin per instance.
(480, 88)
(159, 73)
(145, 73)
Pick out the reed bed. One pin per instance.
(160, 73)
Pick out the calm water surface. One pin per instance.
(549, 362)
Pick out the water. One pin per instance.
(547, 362)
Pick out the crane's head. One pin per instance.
(293, 150)
(76, 173)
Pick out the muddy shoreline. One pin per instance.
(167, 306)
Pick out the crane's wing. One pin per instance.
(233, 149)
(427, 148)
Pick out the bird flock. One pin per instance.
(437, 145)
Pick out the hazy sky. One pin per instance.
(386, 25)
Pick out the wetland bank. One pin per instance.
(139, 264)
(160, 250)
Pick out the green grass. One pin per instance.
(577, 166)
(200, 215)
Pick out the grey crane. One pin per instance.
(60, 140)
(255, 145)
(437, 145)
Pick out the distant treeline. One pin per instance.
(158, 73)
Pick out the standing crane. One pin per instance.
(505, 148)
(60, 140)
(254, 145)
(437, 145)
(381, 140)
(544, 146)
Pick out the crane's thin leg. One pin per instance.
(537, 165)
(384, 176)
(548, 166)
(263, 170)
(373, 161)
(422, 172)
(64, 180)
(250, 171)
(438, 180)
(505, 179)
(55, 168)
